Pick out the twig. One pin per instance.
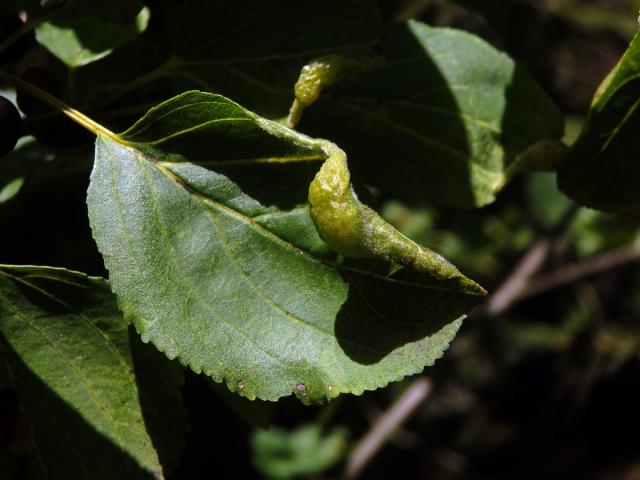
(591, 266)
(517, 282)
(385, 426)
(59, 105)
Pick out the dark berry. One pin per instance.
(9, 24)
(10, 126)
(44, 80)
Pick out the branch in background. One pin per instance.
(518, 281)
(590, 266)
(385, 426)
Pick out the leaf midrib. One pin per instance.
(133, 132)
(282, 242)
(205, 200)
(209, 203)
(127, 237)
(142, 162)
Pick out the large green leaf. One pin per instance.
(602, 169)
(227, 282)
(440, 118)
(103, 405)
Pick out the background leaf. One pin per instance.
(82, 40)
(207, 274)
(439, 118)
(603, 168)
(305, 451)
(252, 51)
(102, 406)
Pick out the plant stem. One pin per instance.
(23, 30)
(152, 75)
(385, 426)
(78, 117)
(542, 156)
(590, 266)
(295, 114)
(517, 281)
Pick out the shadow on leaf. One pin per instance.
(65, 445)
(383, 314)
(437, 119)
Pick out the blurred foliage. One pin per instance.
(307, 450)
(549, 390)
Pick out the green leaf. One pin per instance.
(102, 405)
(545, 201)
(440, 119)
(210, 275)
(602, 169)
(252, 50)
(306, 451)
(10, 189)
(81, 40)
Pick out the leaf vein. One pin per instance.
(194, 128)
(133, 132)
(184, 275)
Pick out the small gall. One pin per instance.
(301, 388)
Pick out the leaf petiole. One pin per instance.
(78, 117)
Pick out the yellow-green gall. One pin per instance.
(355, 230)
